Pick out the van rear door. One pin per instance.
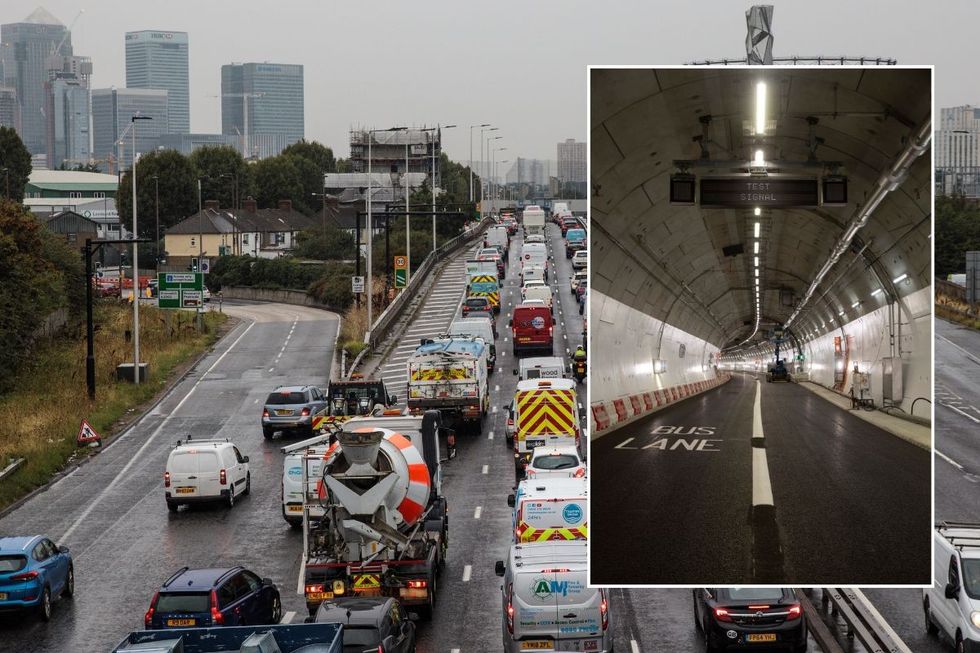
(579, 613)
(535, 610)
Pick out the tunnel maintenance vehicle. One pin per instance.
(356, 396)
(778, 372)
(450, 375)
(375, 520)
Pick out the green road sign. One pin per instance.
(180, 289)
(400, 276)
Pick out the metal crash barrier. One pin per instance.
(861, 621)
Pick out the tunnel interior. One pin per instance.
(680, 290)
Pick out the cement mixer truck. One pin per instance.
(375, 521)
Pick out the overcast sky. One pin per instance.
(519, 64)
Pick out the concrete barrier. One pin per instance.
(611, 414)
(295, 297)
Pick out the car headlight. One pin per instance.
(975, 618)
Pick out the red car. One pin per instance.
(568, 222)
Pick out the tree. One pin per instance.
(222, 164)
(80, 167)
(277, 178)
(177, 180)
(329, 244)
(15, 164)
(311, 183)
(320, 155)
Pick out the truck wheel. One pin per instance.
(231, 497)
(426, 611)
(172, 506)
(931, 628)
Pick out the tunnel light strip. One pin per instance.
(875, 293)
(757, 227)
(759, 158)
(900, 278)
(855, 304)
(760, 108)
(757, 247)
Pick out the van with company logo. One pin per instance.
(542, 367)
(532, 328)
(546, 602)
(292, 477)
(553, 508)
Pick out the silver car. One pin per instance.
(291, 409)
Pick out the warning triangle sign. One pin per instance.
(86, 434)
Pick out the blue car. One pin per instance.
(193, 598)
(33, 572)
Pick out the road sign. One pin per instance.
(205, 265)
(357, 284)
(751, 192)
(180, 289)
(401, 271)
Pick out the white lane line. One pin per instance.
(271, 368)
(139, 454)
(486, 469)
(490, 435)
(494, 410)
(496, 388)
(761, 483)
(634, 647)
(467, 572)
(963, 413)
(949, 460)
(477, 512)
(288, 617)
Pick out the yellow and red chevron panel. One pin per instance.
(440, 374)
(544, 412)
(527, 534)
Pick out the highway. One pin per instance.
(834, 477)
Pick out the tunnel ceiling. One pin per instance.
(683, 264)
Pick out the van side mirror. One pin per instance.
(392, 400)
(510, 323)
(951, 591)
(498, 568)
(515, 372)
(510, 500)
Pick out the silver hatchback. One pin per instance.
(291, 409)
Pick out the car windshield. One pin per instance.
(477, 301)
(183, 602)
(356, 638)
(771, 594)
(282, 398)
(555, 461)
(12, 563)
(971, 577)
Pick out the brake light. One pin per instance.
(223, 477)
(510, 608)
(27, 575)
(604, 610)
(579, 473)
(265, 412)
(314, 589)
(216, 617)
(148, 617)
(418, 584)
(721, 614)
(305, 412)
(795, 611)
(166, 479)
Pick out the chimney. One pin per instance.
(286, 205)
(249, 205)
(211, 204)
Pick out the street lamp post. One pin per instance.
(439, 130)
(156, 194)
(495, 173)
(234, 206)
(486, 124)
(487, 171)
(136, 265)
(482, 175)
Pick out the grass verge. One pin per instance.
(952, 309)
(40, 418)
(352, 330)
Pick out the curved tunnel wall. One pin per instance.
(871, 344)
(623, 358)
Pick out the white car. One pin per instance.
(534, 238)
(550, 462)
(201, 471)
(538, 290)
(577, 278)
(580, 259)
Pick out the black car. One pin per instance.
(194, 598)
(756, 618)
(370, 624)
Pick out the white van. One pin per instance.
(200, 471)
(542, 367)
(534, 255)
(532, 273)
(546, 602)
(538, 290)
(476, 328)
(553, 508)
(952, 604)
(292, 477)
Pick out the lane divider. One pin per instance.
(767, 551)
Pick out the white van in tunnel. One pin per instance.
(547, 603)
(952, 604)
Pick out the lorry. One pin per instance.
(483, 281)
(545, 414)
(375, 520)
(533, 220)
(450, 375)
(284, 638)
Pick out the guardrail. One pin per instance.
(380, 327)
(863, 621)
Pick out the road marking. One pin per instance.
(486, 469)
(477, 512)
(963, 413)
(496, 388)
(288, 617)
(622, 445)
(761, 482)
(302, 575)
(490, 435)
(138, 455)
(634, 647)
(948, 459)
(271, 368)
(467, 572)
(494, 410)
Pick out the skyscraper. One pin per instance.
(9, 110)
(156, 59)
(571, 161)
(112, 112)
(68, 116)
(26, 49)
(262, 100)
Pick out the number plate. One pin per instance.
(319, 596)
(536, 645)
(761, 637)
(181, 622)
(185, 490)
(298, 509)
(283, 412)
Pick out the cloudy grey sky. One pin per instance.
(519, 64)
